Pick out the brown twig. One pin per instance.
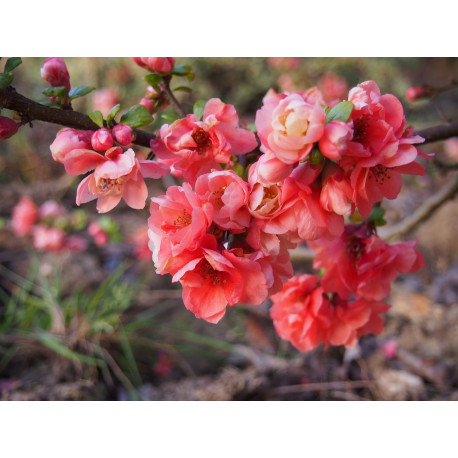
(166, 88)
(423, 212)
(440, 132)
(31, 110)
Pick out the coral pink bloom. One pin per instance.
(178, 222)
(123, 134)
(288, 126)
(55, 72)
(333, 87)
(363, 264)
(48, 238)
(228, 194)
(213, 281)
(193, 147)
(353, 319)
(117, 175)
(301, 312)
(268, 169)
(8, 127)
(69, 139)
(24, 216)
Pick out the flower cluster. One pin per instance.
(345, 305)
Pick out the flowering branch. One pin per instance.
(31, 110)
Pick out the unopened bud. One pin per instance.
(123, 134)
(7, 127)
(417, 92)
(102, 140)
(55, 72)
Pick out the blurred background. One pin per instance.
(88, 318)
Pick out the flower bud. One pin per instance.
(69, 139)
(102, 140)
(148, 104)
(161, 65)
(335, 139)
(417, 92)
(7, 127)
(55, 72)
(24, 216)
(123, 134)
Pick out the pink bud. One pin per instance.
(417, 92)
(55, 72)
(123, 134)
(100, 236)
(76, 243)
(390, 349)
(102, 140)
(7, 127)
(148, 104)
(69, 139)
(161, 65)
(335, 138)
(24, 216)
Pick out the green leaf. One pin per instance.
(80, 91)
(181, 70)
(198, 108)
(59, 91)
(153, 79)
(239, 169)
(182, 88)
(5, 80)
(190, 76)
(113, 112)
(377, 215)
(97, 118)
(170, 117)
(251, 127)
(12, 63)
(340, 112)
(136, 116)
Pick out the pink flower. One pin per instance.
(301, 312)
(363, 264)
(98, 234)
(228, 194)
(213, 280)
(334, 142)
(148, 104)
(192, 148)
(336, 192)
(48, 238)
(288, 126)
(51, 209)
(24, 216)
(123, 134)
(333, 87)
(178, 222)
(69, 139)
(102, 140)
(104, 100)
(8, 127)
(268, 169)
(117, 175)
(161, 65)
(55, 72)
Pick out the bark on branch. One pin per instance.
(33, 111)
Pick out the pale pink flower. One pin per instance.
(288, 126)
(51, 209)
(117, 175)
(336, 192)
(48, 238)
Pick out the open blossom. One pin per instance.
(178, 222)
(55, 72)
(228, 194)
(24, 216)
(161, 65)
(117, 175)
(288, 126)
(336, 191)
(361, 263)
(192, 147)
(305, 316)
(8, 127)
(213, 280)
(69, 139)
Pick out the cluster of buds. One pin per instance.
(51, 226)
(159, 65)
